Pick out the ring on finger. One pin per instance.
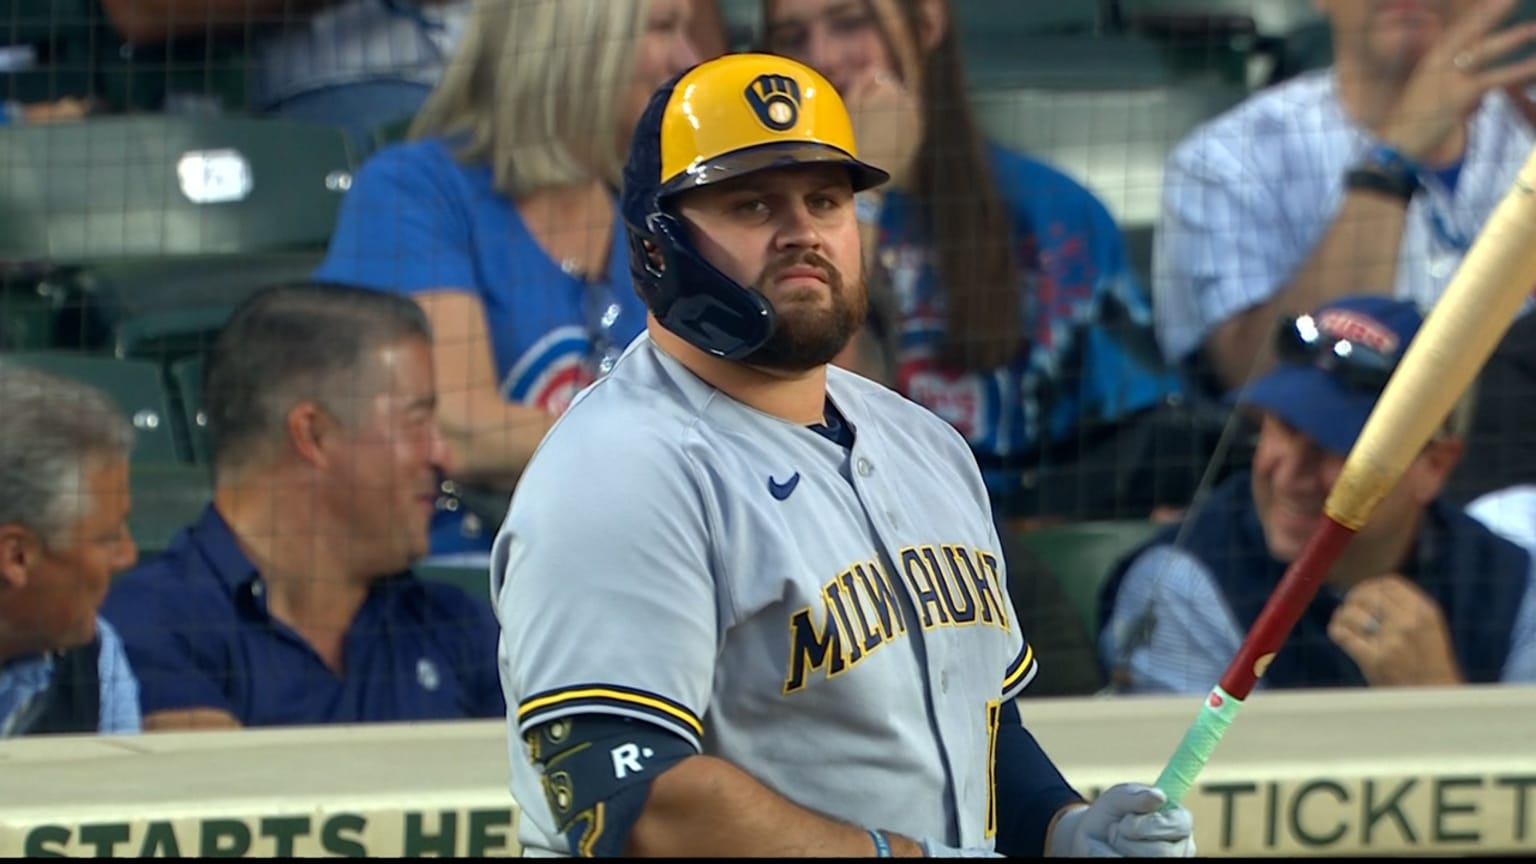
(1466, 61)
(1372, 626)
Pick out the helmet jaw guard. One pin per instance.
(725, 118)
(691, 297)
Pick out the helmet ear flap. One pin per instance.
(693, 299)
(647, 264)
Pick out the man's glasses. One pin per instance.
(1354, 364)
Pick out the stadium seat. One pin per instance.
(1081, 554)
(1004, 61)
(979, 19)
(137, 386)
(166, 310)
(1269, 18)
(140, 186)
(166, 499)
(29, 319)
(475, 581)
(391, 132)
(1252, 39)
(1309, 47)
(187, 379)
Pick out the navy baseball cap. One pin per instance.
(1331, 366)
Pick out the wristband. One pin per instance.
(1386, 171)
(1390, 160)
(882, 845)
(934, 849)
(1372, 179)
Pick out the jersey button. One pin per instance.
(863, 467)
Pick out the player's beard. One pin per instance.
(803, 337)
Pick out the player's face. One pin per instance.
(393, 454)
(66, 580)
(842, 39)
(1389, 36)
(664, 49)
(1292, 476)
(791, 234)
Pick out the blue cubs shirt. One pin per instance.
(417, 219)
(1075, 276)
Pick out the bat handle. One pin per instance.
(1200, 740)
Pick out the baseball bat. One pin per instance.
(1456, 339)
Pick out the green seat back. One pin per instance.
(1082, 554)
(187, 378)
(166, 499)
(158, 185)
(137, 386)
(28, 320)
(474, 581)
(391, 132)
(165, 309)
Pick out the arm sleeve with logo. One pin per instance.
(606, 594)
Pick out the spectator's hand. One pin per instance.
(1395, 633)
(1125, 821)
(887, 123)
(1454, 75)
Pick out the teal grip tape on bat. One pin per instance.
(1216, 714)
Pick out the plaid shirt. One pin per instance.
(1248, 196)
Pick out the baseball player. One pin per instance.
(752, 604)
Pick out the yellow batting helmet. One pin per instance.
(722, 119)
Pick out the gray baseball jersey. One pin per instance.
(835, 623)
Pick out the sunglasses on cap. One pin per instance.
(1354, 364)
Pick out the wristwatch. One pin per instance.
(1386, 172)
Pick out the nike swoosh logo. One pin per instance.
(783, 490)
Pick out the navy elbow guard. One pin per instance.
(597, 772)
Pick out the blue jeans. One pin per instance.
(359, 108)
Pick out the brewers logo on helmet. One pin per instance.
(722, 119)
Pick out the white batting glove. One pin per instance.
(1124, 822)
